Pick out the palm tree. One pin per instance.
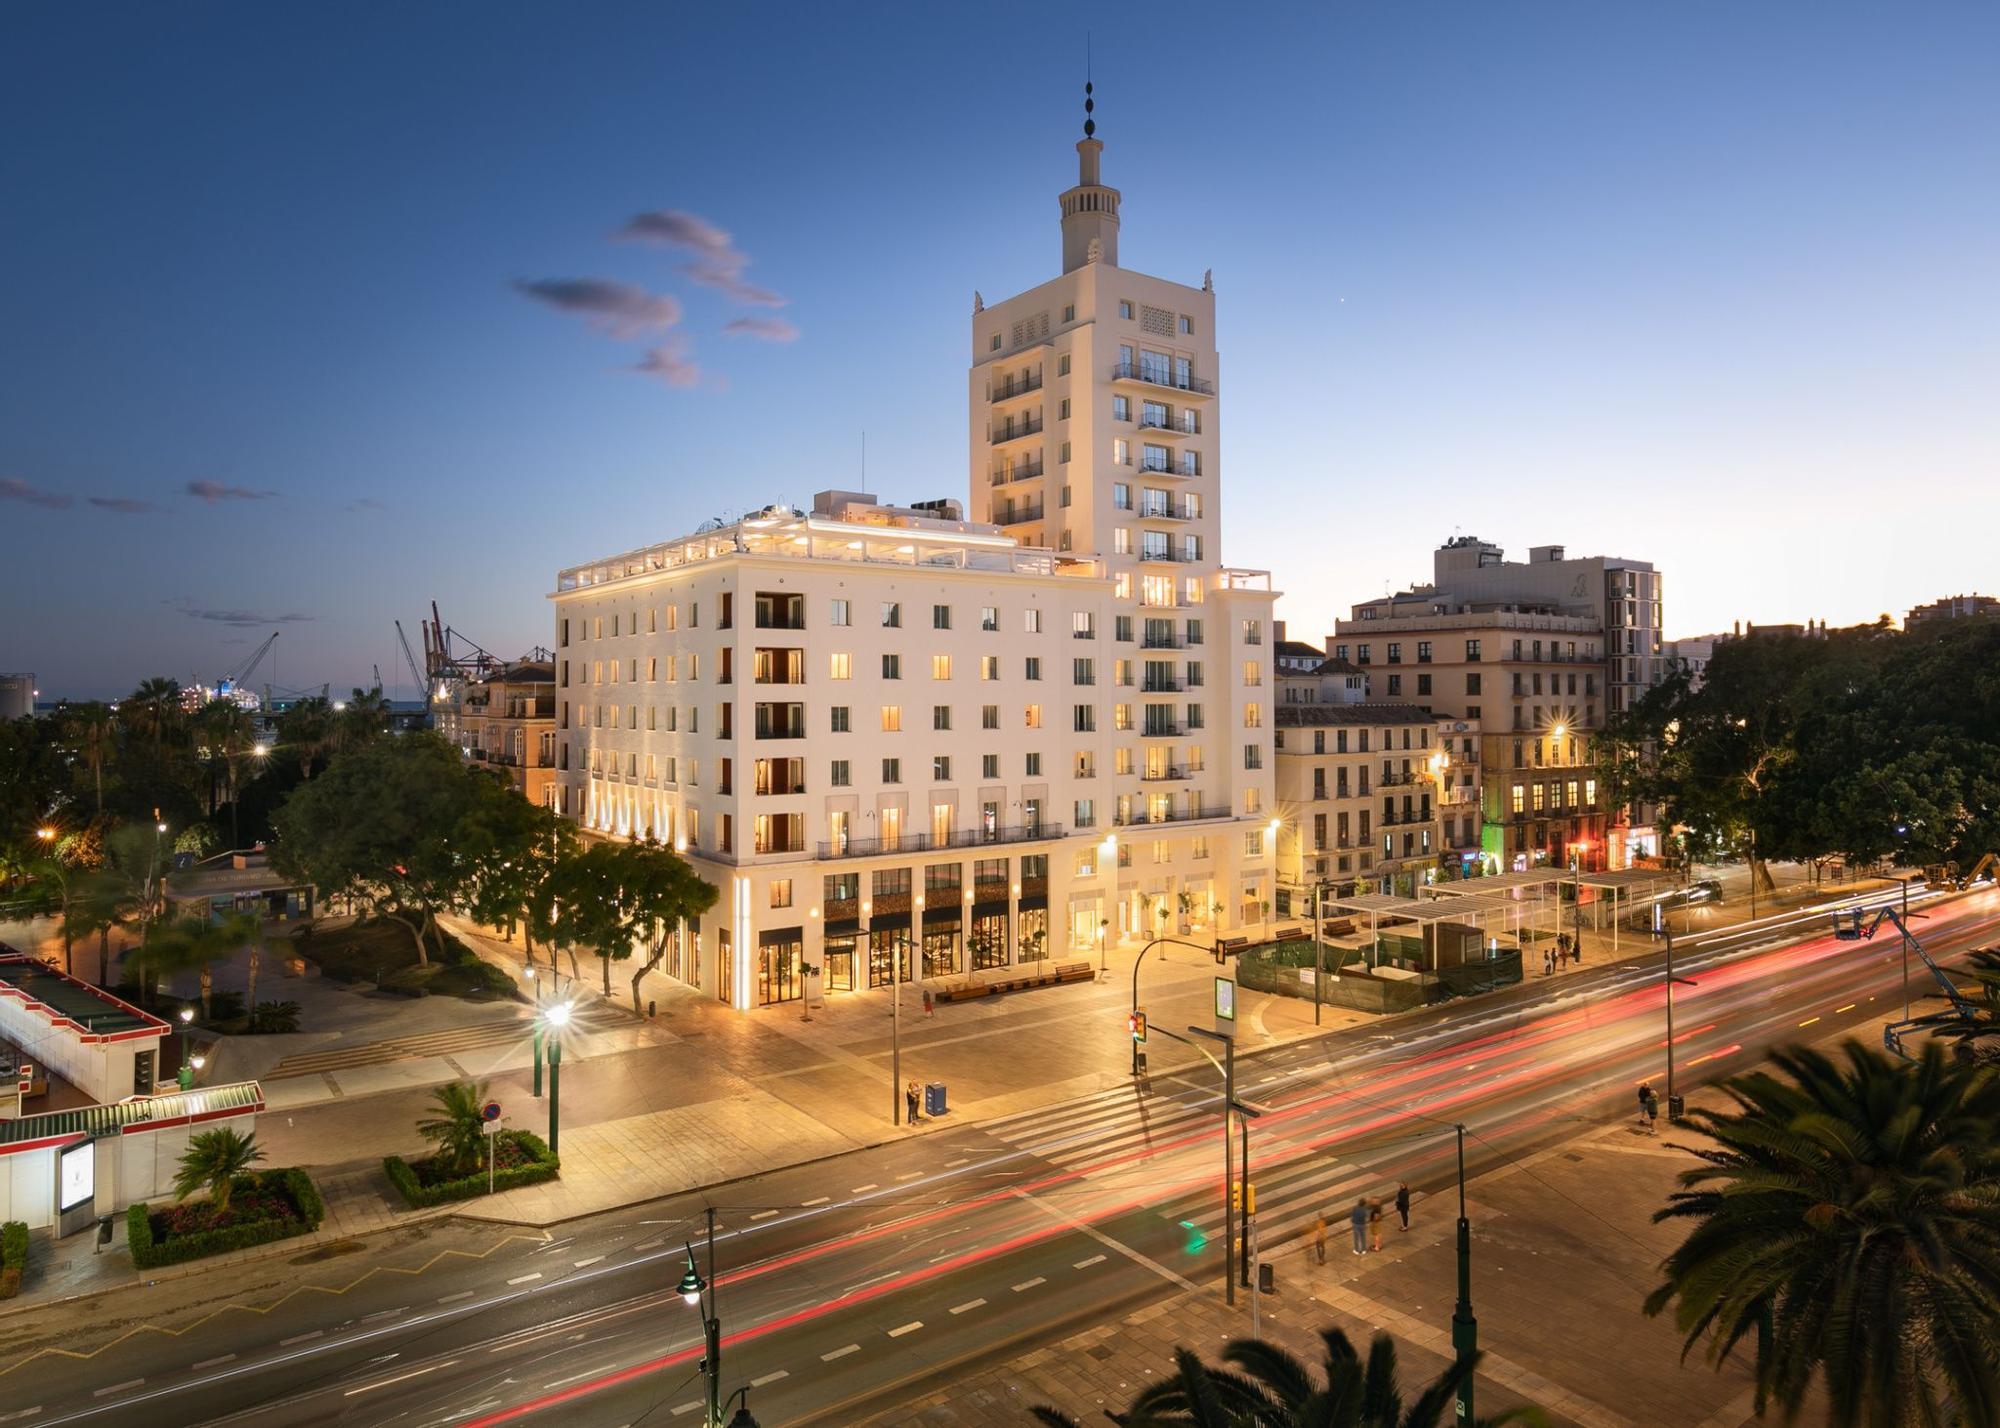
(155, 707)
(213, 1159)
(307, 727)
(101, 901)
(1277, 1390)
(91, 732)
(458, 1130)
(1983, 967)
(367, 714)
(1850, 1217)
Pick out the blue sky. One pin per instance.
(331, 306)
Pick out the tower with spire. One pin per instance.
(1094, 429)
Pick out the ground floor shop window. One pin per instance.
(941, 951)
(1034, 934)
(888, 949)
(988, 941)
(725, 967)
(780, 967)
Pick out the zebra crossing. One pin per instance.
(1118, 1134)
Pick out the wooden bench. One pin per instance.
(1228, 946)
(1053, 976)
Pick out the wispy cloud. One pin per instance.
(617, 308)
(716, 261)
(770, 329)
(366, 503)
(12, 488)
(213, 491)
(236, 617)
(671, 363)
(124, 505)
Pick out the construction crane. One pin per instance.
(423, 689)
(1860, 924)
(226, 685)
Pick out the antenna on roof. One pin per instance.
(864, 458)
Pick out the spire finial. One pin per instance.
(1089, 124)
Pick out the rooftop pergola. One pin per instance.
(1535, 880)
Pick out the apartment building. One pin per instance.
(1953, 607)
(1532, 682)
(954, 736)
(1383, 795)
(507, 723)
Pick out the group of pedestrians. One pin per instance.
(1649, 1108)
(1566, 949)
(1366, 1220)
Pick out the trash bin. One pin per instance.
(1267, 1277)
(1676, 1105)
(933, 1098)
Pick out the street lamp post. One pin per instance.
(693, 1288)
(187, 1060)
(556, 1017)
(1464, 1327)
(48, 837)
(1228, 1159)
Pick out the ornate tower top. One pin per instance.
(1090, 210)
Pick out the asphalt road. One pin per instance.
(845, 1285)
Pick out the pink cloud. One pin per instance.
(770, 329)
(617, 308)
(670, 363)
(718, 263)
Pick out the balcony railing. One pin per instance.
(1160, 377)
(930, 843)
(1156, 730)
(1168, 511)
(1022, 471)
(1012, 430)
(1015, 386)
(1167, 468)
(1176, 556)
(1169, 815)
(1390, 779)
(1161, 642)
(1184, 426)
(1017, 515)
(1161, 684)
(1165, 775)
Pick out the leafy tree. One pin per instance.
(503, 841)
(380, 825)
(658, 893)
(101, 901)
(458, 1128)
(365, 718)
(193, 944)
(1849, 1216)
(213, 1159)
(1275, 1389)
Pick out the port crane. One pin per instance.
(226, 685)
(1859, 924)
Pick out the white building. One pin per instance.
(894, 732)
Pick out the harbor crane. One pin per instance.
(226, 685)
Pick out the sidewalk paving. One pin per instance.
(1564, 1251)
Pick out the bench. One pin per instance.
(1228, 946)
(1054, 976)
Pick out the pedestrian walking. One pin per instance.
(1548, 962)
(1374, 1224)
(1358, 1219)
(1319, 1238)
(1652, 1112)
(1645, 1094)
(927, 1001)
(913, 1100)
(1403, 1202)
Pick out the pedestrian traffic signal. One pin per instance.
(1136, 1024)
(1243, 1197)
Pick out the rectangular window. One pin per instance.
(989, 716)
(892, 770)
(1033, 667)
(842, 613)
(989, 766)
(989, 618)
(892, 718)
(781, 892)
(840, 720)
(892, 666)
(892, 615)
(941, 666)
(1125, 310)
(1033, 716)
(1033, 767)
(940, 617)
(1085, 719)
(1121, 409)
(1031, 621)
(940, 716)
(1083, 625)
(838, 775)
(1062, 362)
(989, 666)
(1083, 671)
(941, 768)
(840, 666)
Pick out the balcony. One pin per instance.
(928, 843)
(1158, 729)
(1167, 468)
(1390, 780)
(1016, 386)
(1017, 515)
(1161, 684)
(1174, 556)
(1004, 431)
(1170, 815)
(1170, 774)
(1151, 375)
(1023, 471)
(1184, 425)
(1168, 511)
(1161, 642)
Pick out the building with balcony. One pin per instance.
(1953, 607)
(507, 723)
(1530, 683)
(953, 737)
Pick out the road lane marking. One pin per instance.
(909, 1328)
(525, 1278)
(586, 1263)
(383, 1314)
(385, 1382)
(857, 1190)
(1029, 1283)
(820, 1201)
(1848, 1008)
(840, 1353)
(118, 1387)
(211, 1363)
(20, 1413)
(770, 1378)
(968, 1306)
(1809, 1021)
(1107, 1241)
(680, 1408)
(1087, 1263)
(649, 1244)
(299, 1338)
(763, 1215)
(909, 1175)
(453, 1298)
(954, 1164)
(572, 1378)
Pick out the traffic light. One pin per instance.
(1136, 1024)
(1243, 1197)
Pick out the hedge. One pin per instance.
(13, 1256)
(404, 1176)
(148, 1252)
